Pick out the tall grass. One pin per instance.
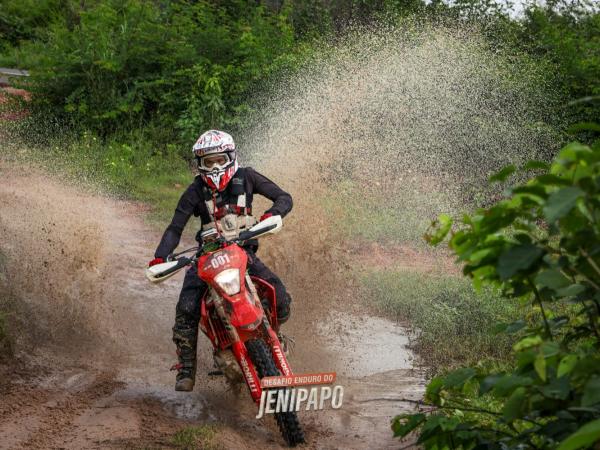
(454, 323)
(131, 166)
(196, 437)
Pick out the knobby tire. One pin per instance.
(288, 422)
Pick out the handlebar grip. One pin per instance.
(181, 262)
(246, 235)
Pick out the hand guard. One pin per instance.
(156, 261)
(265, 216)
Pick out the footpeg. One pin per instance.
(287, 343)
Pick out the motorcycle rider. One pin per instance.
(221, 195)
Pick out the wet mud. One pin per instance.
(94, 353)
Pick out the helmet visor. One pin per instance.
(214, 161)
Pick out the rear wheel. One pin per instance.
(288, 422)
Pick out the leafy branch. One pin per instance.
(542, 243)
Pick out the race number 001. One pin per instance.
(219, 260)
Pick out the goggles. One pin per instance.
(213, 161)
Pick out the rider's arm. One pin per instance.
(282, 201)
(185, 208)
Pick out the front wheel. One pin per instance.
(288, 422)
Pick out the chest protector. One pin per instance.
(229, 211)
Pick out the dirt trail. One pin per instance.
(98, 338)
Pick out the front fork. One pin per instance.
(278, 354)
(241, 353)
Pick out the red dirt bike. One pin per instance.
(238, 314)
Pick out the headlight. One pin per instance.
(229, 281)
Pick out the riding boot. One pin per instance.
(283, 311)
(185, 340)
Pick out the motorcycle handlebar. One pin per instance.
(181, 262)
(243, 236)
(246, 235)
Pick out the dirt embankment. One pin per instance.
(94, 338)
(11, 102)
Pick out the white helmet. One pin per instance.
(217, 158)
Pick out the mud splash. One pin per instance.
(70, 261)
(377, 135)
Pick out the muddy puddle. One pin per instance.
(365, 345)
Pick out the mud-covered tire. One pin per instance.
(288, 422)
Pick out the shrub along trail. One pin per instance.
(93, 337)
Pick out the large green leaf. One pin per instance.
(438, 229)
(573, 151)
(566, 365)
(570, 291)
(540, 366)
(459, 377)
(489, 382)
(561, 202)
(509, 383)
(503, 174)
(527, 342)
(586, 435)
(558, 389)
(404, 424)
(554, 279)
(515, 405)
(591, 392)
(534, 164)
(517, 258)
(432, 392)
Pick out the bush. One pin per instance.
(542, 244)
(124, 65)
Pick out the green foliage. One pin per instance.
(128, 64)
(139, 170)
(567, 36)
(541, 245)
(22, 20)
(182, 66)
(196, 437)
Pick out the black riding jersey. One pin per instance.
(192, 202)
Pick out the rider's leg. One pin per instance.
(185, 331)
(257, 268)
